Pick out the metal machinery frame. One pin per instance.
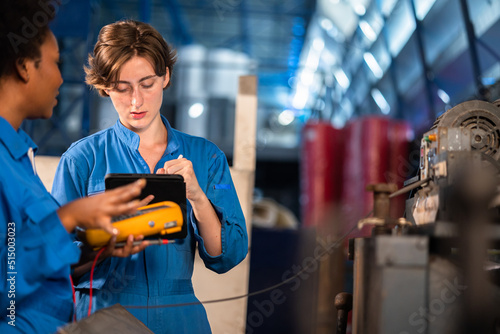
(436, 271)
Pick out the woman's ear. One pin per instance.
(167, 78)
(22, 69)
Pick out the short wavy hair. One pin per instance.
(119, 42)
(24, 25)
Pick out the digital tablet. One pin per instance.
(164, 187)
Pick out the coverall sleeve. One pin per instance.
(222, 194)
(68, 184)
(33, 250)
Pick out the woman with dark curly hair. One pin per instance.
(36, 248)
(132, 64)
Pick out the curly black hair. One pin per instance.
(24, 24)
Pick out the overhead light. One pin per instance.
(423, 7)
(373, 65)
(443, 96)
(326, 24)
(341, 78)
(328, 58)
(381, 101)
(307, 77)
(313, 56)
(286, 117)
(367, 29)
(301, 96)
(318, 44)
(387, 7)
(359, 9)
(196, 110)
(332, 31)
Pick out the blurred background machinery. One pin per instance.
(436, 270)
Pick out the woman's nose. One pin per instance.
(137, 99)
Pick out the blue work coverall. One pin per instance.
(36, 250)
(160, 275)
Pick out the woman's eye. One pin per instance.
(121, 89)
(147, 86)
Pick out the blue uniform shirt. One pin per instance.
(36, 250)
(160, 274)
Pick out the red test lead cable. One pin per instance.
(92, 277)
(74, 298)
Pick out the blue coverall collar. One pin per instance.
(132, 139)
(17, 143)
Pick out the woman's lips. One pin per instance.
(138, 114)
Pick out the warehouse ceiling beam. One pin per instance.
(245, 28)
(427, 71)
(179, 24)
(145, 10)
(471, 39)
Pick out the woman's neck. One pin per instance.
(155, 135)
(153, 143)
(12, 96)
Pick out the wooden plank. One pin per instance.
(230, 317)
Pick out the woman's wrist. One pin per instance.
(66, 217)
(200, 200)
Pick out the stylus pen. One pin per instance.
(151, 242)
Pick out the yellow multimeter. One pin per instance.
(155, 219)
(164, 187)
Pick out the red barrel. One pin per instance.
(401, 166)
(321, 172)
(366, 161)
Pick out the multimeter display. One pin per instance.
(139, 212)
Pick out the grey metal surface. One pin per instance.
(390, 282)
(401, 251)
(445, 295)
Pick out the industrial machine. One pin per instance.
(434, 271)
